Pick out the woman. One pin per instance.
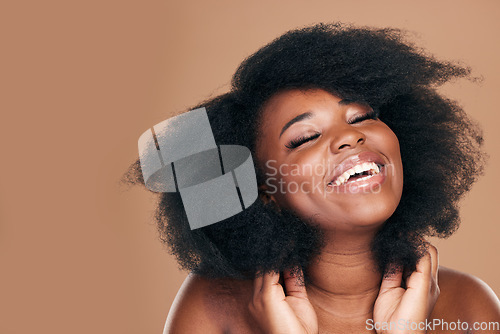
(340, 248)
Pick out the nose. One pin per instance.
(347, 137)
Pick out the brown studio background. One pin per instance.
(81, 80)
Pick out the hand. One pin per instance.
(280, 314)
(414, 304)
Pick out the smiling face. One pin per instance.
(329, 160)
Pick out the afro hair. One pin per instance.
(441, 149)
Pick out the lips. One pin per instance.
(354, 160)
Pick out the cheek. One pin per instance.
(298, 179)
(391, 148)
(386, 142)
(386, 137)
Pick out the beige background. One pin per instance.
(81, 80)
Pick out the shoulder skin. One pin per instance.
(466, 298)
(220, 306)
(210, 307)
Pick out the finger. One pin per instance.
(293, 283)
(421, 277)
(424, 264)
(393, 280)
(434, 261)
(271, 278)
(257, 283)
(419, 292)
(271, 282)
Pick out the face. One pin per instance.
(329, 160)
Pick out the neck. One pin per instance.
(344, 278)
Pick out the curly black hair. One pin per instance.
(441, 149)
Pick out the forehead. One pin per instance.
(294, 100)
(285, 105)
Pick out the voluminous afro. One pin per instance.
(440, 149)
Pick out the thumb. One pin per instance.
(294, 283)
(392, 280)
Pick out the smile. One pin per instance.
(365, 170)
(357, 173)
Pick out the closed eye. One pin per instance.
(372, 114)
(301, 140)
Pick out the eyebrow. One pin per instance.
(308, 115)
(296, 119)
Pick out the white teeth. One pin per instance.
(366, 166)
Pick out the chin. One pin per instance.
(355, 223)
(370, 212)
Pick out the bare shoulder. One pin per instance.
(465, 297)
(208, 305)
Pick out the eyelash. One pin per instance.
(303, 139)
(372, 114)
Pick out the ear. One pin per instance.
(266, 196)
